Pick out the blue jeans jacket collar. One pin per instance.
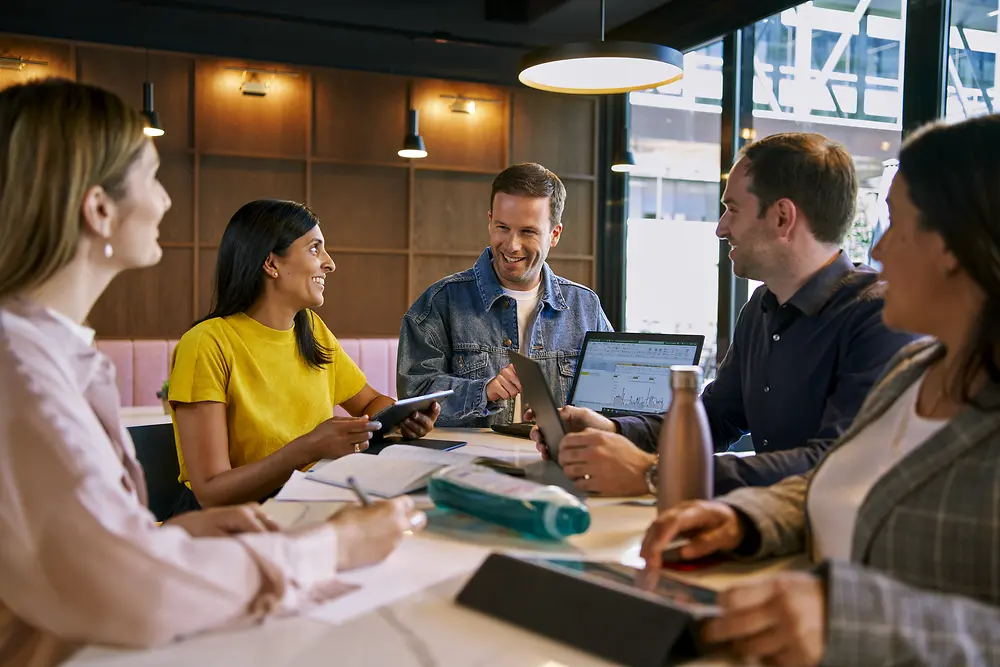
(491, 289)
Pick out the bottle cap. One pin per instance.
(685, 377)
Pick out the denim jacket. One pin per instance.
(457, 335)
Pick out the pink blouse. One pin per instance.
(81, 558)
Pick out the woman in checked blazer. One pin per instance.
(902, 516)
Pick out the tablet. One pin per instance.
(539, 397)
(393, 416)
(698, 601)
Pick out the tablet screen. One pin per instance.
(699, 602)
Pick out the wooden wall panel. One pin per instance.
(123, 73)
(361, 207)
(477, 141)
(578, 220)
(579, 271)
(148, 303)
(58, 55)
(366, 295)
(177, 176)
(360, 117)
(554, 130)
(229, 121)
(427, 270)
(328, 138)
(450, 211)
(227, 183)
(206, 280)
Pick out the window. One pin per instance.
(672, 279)
(972, 57)
(835, 67)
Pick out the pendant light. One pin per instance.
(154, 129)
(589, 68)
(413, 145)
(623, 161)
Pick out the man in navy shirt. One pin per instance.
(807, 347)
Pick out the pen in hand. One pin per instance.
(359, 492)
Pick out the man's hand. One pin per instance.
(574, 420)
(223, 521)
(504, 386)
(605, 463)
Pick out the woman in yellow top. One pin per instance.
(253, 384)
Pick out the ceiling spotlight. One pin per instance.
(588, 68)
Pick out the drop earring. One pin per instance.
(108, 250)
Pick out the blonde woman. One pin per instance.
(83, 560)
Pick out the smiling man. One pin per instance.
(807, 347)
(457, 335)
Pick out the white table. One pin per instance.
(419, 624)
(144, 415)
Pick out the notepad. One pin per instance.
(397, 470)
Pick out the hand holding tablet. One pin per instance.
(394, 415)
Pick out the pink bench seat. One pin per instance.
(143, 365)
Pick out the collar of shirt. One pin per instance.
(817, 291)
(490, 288)
(86, 334)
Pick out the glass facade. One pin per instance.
(972, 59)
(672, 280)
(829, 66)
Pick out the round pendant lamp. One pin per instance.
(589, 68)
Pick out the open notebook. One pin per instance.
(397, 470)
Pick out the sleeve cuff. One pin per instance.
(301, 560)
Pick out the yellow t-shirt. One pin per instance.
(271, 393)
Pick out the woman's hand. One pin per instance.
(367, 535)
(711, 526)
(779, 620)
(420, 424)
(339, 436)
(223, 521)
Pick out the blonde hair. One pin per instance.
(58, 138)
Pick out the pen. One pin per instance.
(362, 496)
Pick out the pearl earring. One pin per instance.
(108, 250)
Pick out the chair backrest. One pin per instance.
(157, 452)
(143, 365)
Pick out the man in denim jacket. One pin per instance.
(458, 333)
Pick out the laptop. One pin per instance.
(624, 374)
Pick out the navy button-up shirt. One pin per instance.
(796, 372)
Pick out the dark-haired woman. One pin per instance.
(904, 511)
(253, 384)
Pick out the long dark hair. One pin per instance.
(254, 232)
(953, 173)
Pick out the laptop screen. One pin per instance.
(626, 374)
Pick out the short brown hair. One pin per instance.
(530, 179)
(58, 138)
(814, 172)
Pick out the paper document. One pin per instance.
(299, 488)
(381, 476)
(419, 563)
